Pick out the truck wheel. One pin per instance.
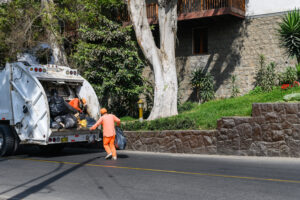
(7, 141)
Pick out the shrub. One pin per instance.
(289, 76)
(204, 84)
(298, 70)
(174, 123)
(266, 76)
(256, 90)
(289, 33)
(186, 106)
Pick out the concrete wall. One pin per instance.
(273, 130)
(262, 7)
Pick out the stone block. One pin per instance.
(279, 108)
(259, 120)
(286, 125)
(242, 120)
(207, 140)
(256, 112)
(272, 117)
(292, 118)
(245, 144)
(267, 136)
(284, 151)
(296, 133)
(291, 108)
(288, 132)
(194, 141)
(275, 126)
(211, 149)
(235, 144)
(256, 133)
(199, 150)
(278, 135)
(228, 123)
(244, 130)
(266, 107)
(200, 140)
(186, 147)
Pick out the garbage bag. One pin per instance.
(58, 106)
(70, 121)
(59, 119)
(55, 125)
(120, 141)
(90, 122)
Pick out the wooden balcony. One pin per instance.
(194, 9)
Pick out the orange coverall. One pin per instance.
(109, 133)
(75, 103)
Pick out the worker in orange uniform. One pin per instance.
(78, 104)
(109, 132)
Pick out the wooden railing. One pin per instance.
(152, 10)
(187, 6)
(195, 6)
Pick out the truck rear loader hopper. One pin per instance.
(24, 110)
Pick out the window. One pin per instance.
(200, 41)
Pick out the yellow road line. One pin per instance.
(168, 171)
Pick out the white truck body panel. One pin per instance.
(24, 102)
(5, 102)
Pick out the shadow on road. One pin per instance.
(36, 188)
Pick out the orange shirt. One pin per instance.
(75, 104)
(108, 123)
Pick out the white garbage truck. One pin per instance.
(24, 108)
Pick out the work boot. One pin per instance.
(108, 156)
(114, 158)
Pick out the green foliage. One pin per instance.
(187, 106)
(173, 123)
(204, 84)
(298, 70)
(256, 90)
(266, 76)
(289, 33)
(107, 56)
(234, 87)
(20, 28)
(289, 76)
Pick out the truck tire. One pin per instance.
(7, 141)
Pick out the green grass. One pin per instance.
(127, 119)
(205, 116)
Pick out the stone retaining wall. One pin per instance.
(273, 130)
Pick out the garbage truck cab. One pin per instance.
(24, 109)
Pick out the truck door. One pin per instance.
(30, 106)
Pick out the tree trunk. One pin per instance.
(163, 59)
(58, 51)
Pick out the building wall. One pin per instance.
(262, 7)
(234, 46)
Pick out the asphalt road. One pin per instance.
(78, 174)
